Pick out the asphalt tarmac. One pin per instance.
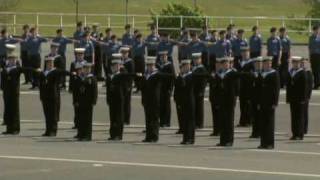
(29, 156)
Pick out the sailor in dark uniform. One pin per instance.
(9, 49)
(76, 71)
(128, 65)
(177, 94)
(10, 85)
(166, 89)
(79, 59)
(212, 95)
(255, 94)
(86, 93)
(187, 83)
(199, 89)
(151, 88)
(297, 90)
(305, 64)
(269, 102)
(49, 81)
(116, 94)
(245, 66)
(226, 81)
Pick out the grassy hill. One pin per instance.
(210, 7)
(272, 8)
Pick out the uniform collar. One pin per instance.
(243, 63)
(148, 75)
(266, 73)
(127, 60)
(165, 64)
(187, 74)
(294, 72)
(197, 66)
(46, 72)
(9, 68)
(223, 74)
(114, 74)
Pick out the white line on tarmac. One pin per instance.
(170, 128)
(139, 97)
(286, 152)
(168, 166)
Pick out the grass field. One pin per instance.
(210, 7)
(235, 8)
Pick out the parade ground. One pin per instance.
(32, 157)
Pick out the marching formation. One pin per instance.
(224, 61)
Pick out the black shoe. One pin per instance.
(225, 144)
(144, 131)
(6, 133)
(270, 147)
(126, 123)
(76, 136)
(220, 144)
(293, 138)
(15, 132)
(179, 132)
(265, 147)
(187, 142)
(3, 124)
(149, 140)
(115, 139)
(45, 134)
(74, 127)
(84, 139)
